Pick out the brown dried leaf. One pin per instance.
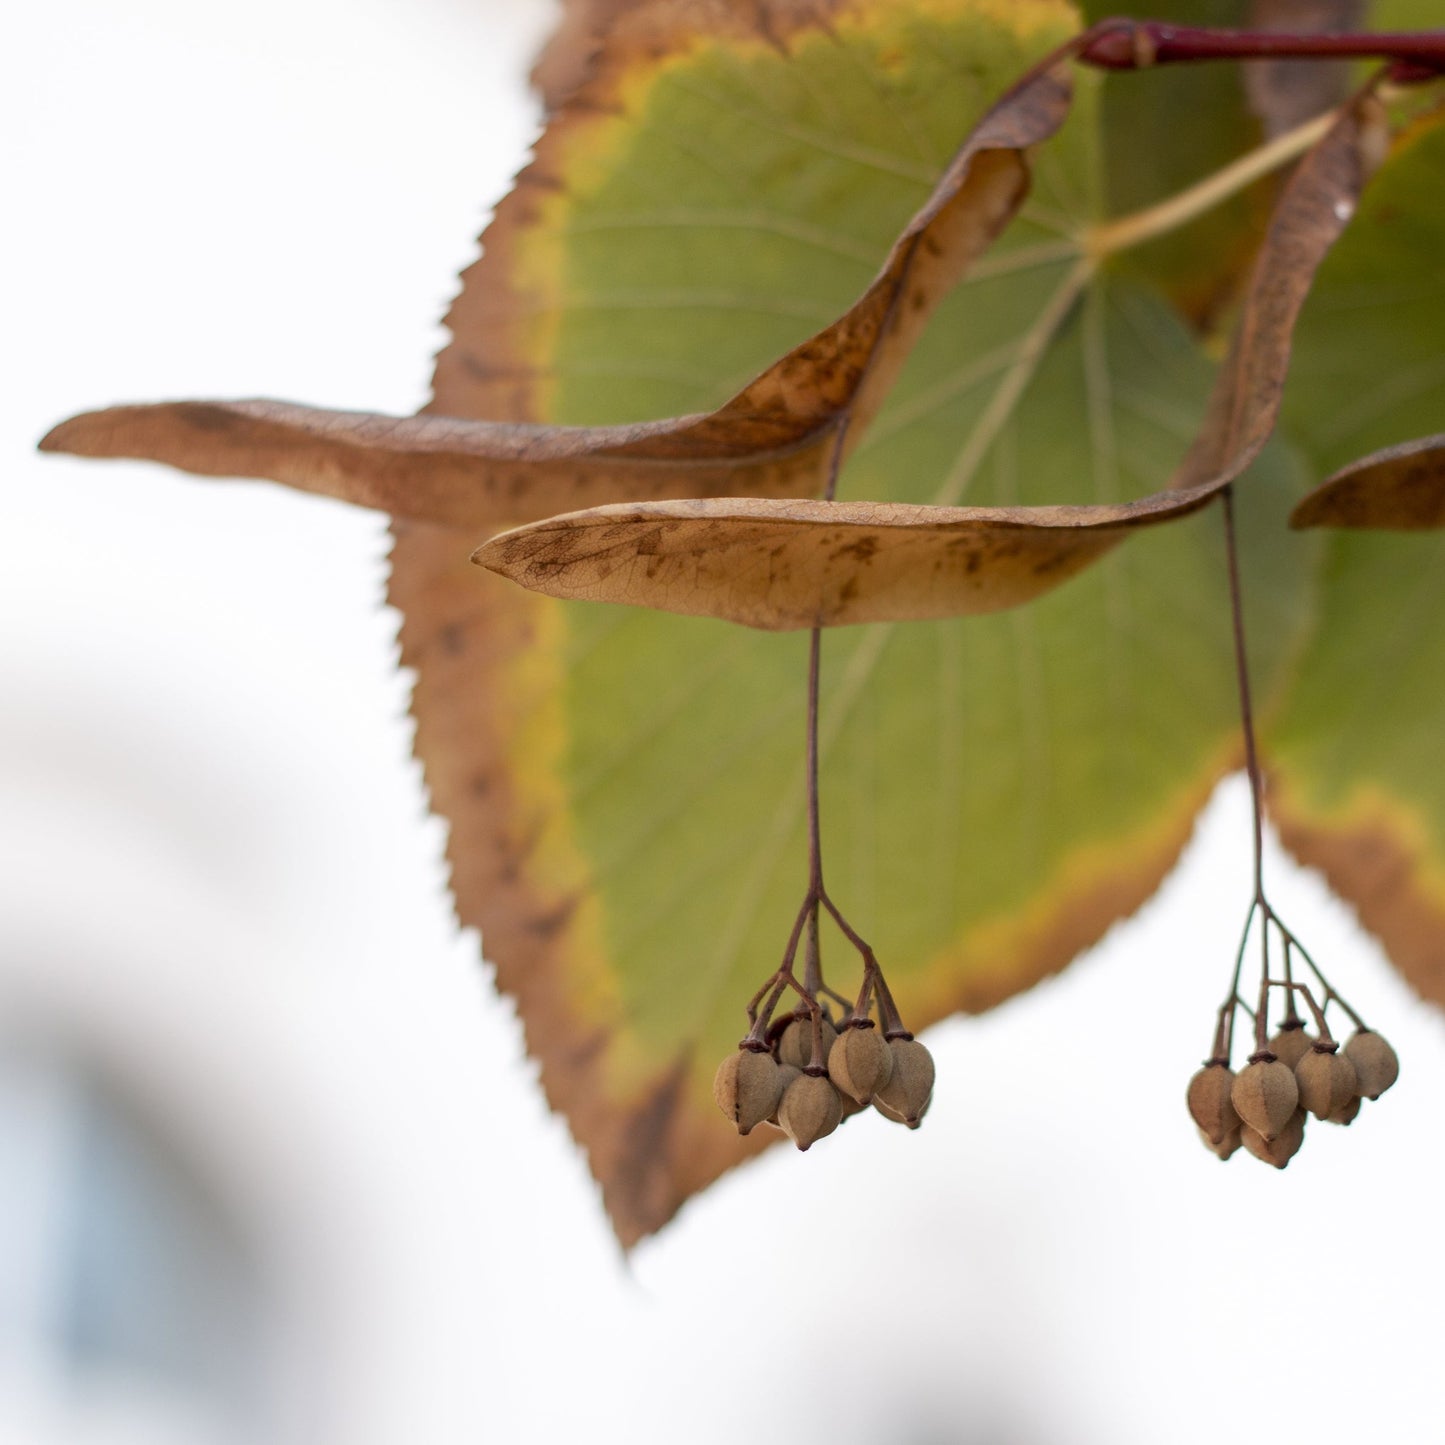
(775, 438)
(1313, 209)
(781, 565)
(464, 474)
(1398, 489)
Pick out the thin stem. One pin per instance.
(1138, 44)
(1246, 705)
(815, 841)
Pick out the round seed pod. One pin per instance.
(860, 1063)
(910, 1085)
(810, 1109)
(1347, 1114)
(895, 1118)
(1264, 1096)
(1226, 1146)
(1376, 1064)
(796, 1045)
(1326, 1081)
(1209, 1102)
(1282, 1148)
(1289, 1046)
(746, 1087)
(786, 1074)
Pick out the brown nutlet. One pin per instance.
(810, 1109)
(747, 1086)
(796, 1044)
(1376, 1063)
(1289, 1046)
(1347, 1114)
(1226, 1146)
(1209, 1102)
(1326, 1081)
(1265, 1096)
(860, 1063)
(910, 1085)
(1283, 1147)
(786, 1074)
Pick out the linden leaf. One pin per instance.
(1399, 488)
(1356, 788)
(624, 786)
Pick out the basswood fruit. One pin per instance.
(1326, 1080)
(796, 1045)
(1209, 1102)
(1290, 1045)
(1225, 1146)
(747, 1086)
(860, 1062)
(1376, 1065)
(1283, 1147)
(810, 1109)
(910, 1086)
(1265, 1095)
(1347, 1114)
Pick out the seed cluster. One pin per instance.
(806, 1076)
(1264, 1107)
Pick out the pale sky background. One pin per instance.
(219, 892)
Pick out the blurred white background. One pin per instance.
(273, 1167)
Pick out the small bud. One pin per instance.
(1326, 1081)
(1264, 1096)
(860, 1063)
(746, 1087)
(1376, 1065)
(1226, 1146)
(796, 1045)
(1347, 1114)
(1209, 1102)
(910, 1086)
(1281, 1149)
(810, 1109)
(1289, 1046)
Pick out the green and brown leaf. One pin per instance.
(735, 183)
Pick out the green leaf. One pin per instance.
(996, 791)
(1355, 754)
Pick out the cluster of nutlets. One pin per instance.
(810, 1077)
(1265, 1105)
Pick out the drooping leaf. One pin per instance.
(1356, 785)
(1399, 489)
(776, 437)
